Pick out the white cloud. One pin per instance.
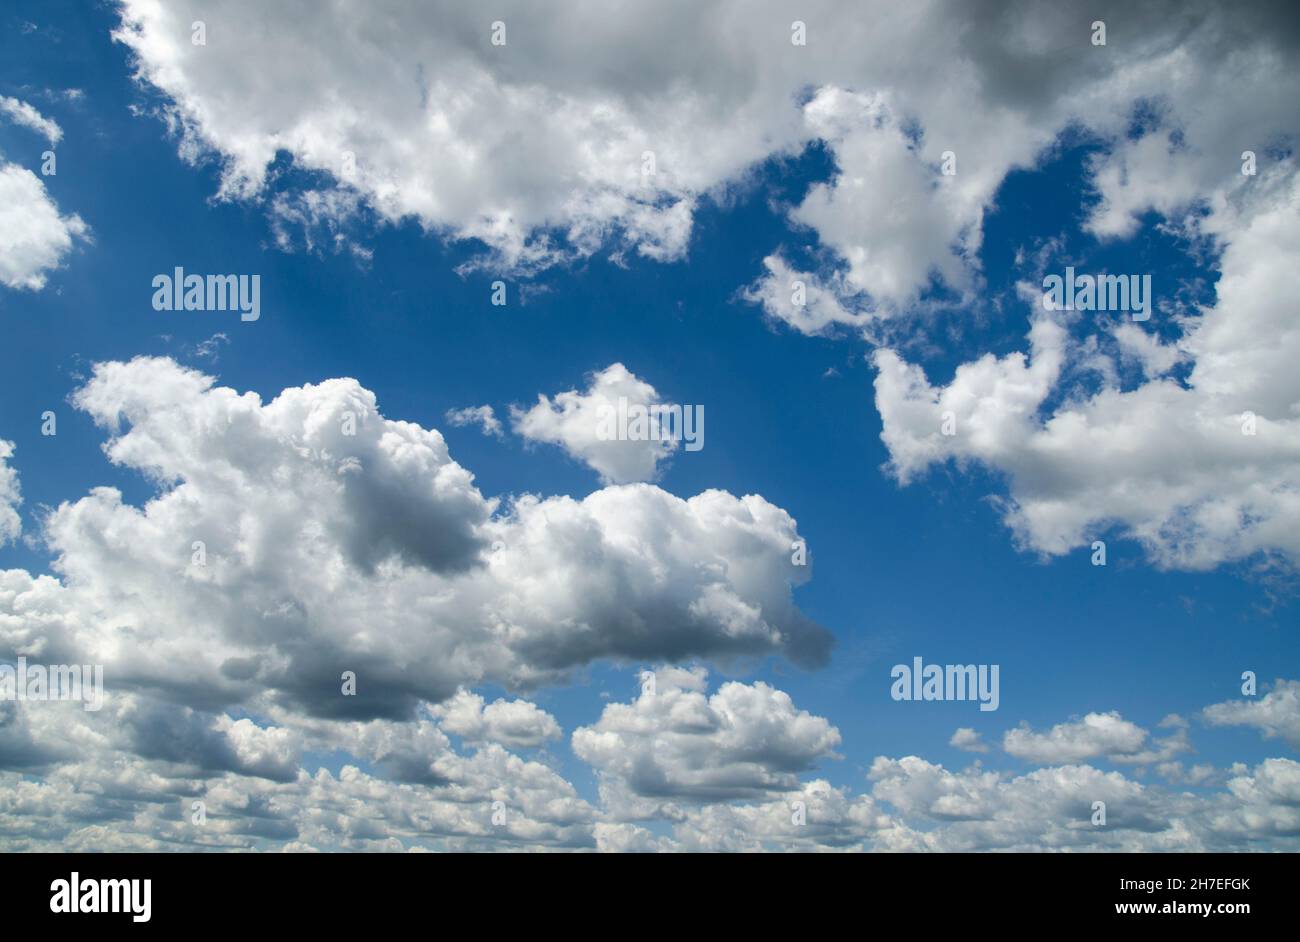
(1094, 736)
(801, 299)
(11, 525)
(516, 724)
(893, 219)
(482, 416)
(34, 237)
(968, 739)
(1155, 358)
(578, 98)
(373, 552)
(1168, 462)
(1275, 715)
(578, 423)
(21, 113)
(675, 743)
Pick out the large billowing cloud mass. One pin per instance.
(309, 535)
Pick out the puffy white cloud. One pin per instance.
(969, 740)
(1267, 803)
(675, 743)
(1200, 472)
(893, 220)
(482, 416)
(1197, 775)
(514, 723)
(802, 299)
(1275, 715)
(1092, 737)
(34, 236)
(21, 113)
(11, 498)
(616, 837)
(294, 540)
(987, 409)
(585, 425)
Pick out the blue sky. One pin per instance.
(927, 569)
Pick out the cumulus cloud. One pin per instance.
(1092, 737)
(293, 540)
(969, 740)
(581, 423)
(482, 416)
(1199, 472)
(517, 724)
(892, 220)
(34, 236)
(1275, 715)
(675, 742)
(807, 301)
